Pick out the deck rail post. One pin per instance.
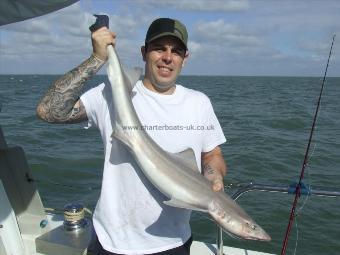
(219, 248)
(243, 188)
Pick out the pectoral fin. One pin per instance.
(177, 203)
(188, 158)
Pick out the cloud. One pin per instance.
(219, 32)
(200, 5)
(312, 46)
(61, 38)
(30, 26)
(52, 38)
(254, 38)
(194, 47)
(126, 26)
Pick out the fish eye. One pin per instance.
(252, 226)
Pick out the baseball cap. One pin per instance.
(166, 26)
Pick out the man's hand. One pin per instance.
(214, 168)
(101, 38)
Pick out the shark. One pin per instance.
(176, 175)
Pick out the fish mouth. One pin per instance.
(259, 237)
(264, 239)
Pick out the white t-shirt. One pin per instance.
(130, 216)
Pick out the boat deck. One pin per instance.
(200, 248)
(27, 228)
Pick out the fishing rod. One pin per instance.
(305, 161)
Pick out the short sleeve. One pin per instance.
(213, 133)
(91, 101)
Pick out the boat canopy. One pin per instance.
(17, 10)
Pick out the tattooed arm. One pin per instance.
(61, 103)
(214, 168)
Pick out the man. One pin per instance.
(130, 216)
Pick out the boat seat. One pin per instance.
(20, 188)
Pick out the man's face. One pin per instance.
(164, 59)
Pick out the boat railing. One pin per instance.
(243, 188)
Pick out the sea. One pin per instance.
(267, 122)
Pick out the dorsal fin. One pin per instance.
(133, 76)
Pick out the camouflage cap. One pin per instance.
(166, 26)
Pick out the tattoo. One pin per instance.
(214, 176)
(58, 104)
(208, 170)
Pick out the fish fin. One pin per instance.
(121, 134)
(177, 203)
(133, 76)
(188, 158)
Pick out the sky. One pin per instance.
(226, 37)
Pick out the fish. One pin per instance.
(176, 175)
